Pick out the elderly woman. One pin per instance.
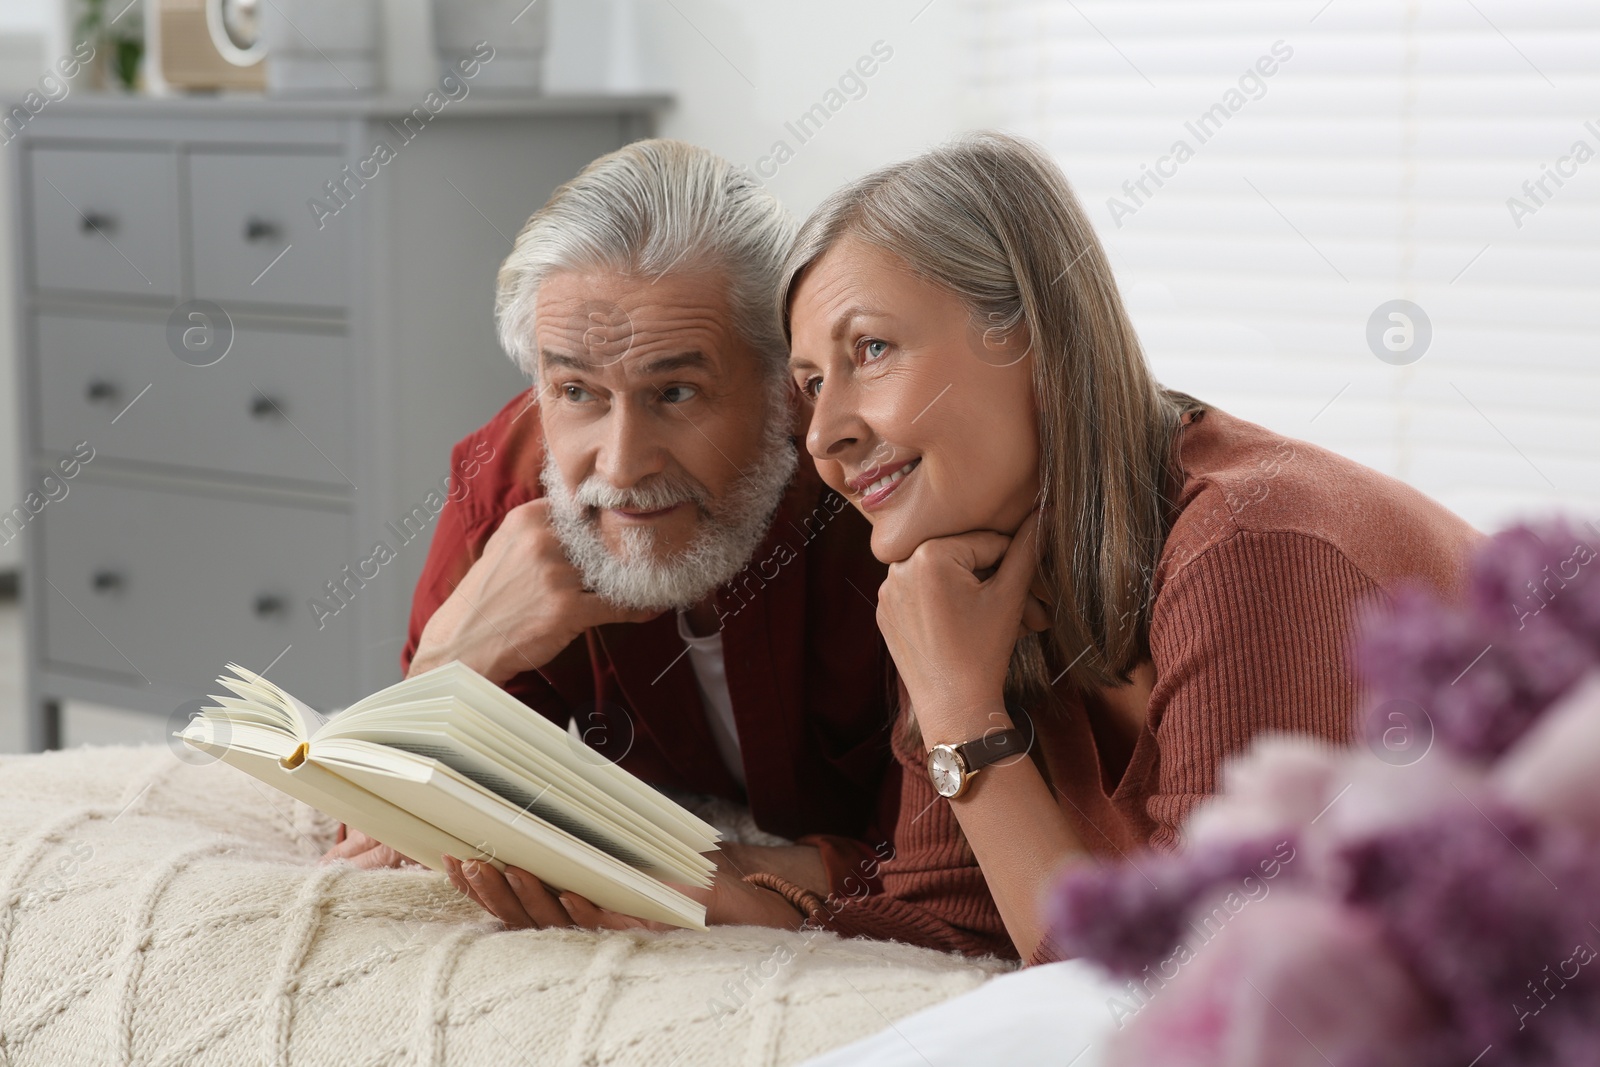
(1099, 589)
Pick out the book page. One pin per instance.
(491, 767)
(498, 829)
(351, 805)
(482, 698)
(264, 699)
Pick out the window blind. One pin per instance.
(1269, 177)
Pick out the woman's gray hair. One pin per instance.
(649, 208)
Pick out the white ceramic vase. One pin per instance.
(517, 31)
(322, 46)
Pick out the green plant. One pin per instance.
(119, 33)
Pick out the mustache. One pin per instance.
(659, 491)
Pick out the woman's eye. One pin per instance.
(811, 386)
(867, 347)
(677, 394)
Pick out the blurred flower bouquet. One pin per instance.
(1429, 898)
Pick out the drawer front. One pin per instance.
(173, 586)
(254, 237)
(274, 405)
(105, 220)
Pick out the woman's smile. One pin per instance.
(876, 484)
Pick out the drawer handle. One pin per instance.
(106, 582)
(267, 605)
(261, 230)
(101, 391)
(265, 407)
(95, 222)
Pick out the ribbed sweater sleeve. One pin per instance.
(933, 891)
(1251, 637)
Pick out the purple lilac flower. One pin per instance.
(1487, 667)
(1129, 916)
(1544, 573)
(1492, 914)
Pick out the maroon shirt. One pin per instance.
(806, 666)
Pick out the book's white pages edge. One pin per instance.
(340, 794)
(350, 804)
(456, 679)
(466, 810)
(306, 719)
(604, 770)
(653, 852)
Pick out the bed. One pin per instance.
(158, 912)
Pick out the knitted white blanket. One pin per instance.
(153, 912)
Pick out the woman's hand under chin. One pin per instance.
(951, 614)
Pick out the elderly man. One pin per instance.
(639, 552)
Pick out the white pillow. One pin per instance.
(1052, 1015)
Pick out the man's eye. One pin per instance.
(867, 348)
(678, 394)
(576, 393)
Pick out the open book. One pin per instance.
(448, 763)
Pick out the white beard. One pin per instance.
(729, 531)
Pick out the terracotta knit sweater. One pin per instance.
(1277, 546)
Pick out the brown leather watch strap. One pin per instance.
(993, 747)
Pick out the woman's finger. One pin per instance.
(497, 895)
(452, 870)
(539, 901)
(1005, 562)
(1021, 559)
(467, 888)
(377, 856)
(977, 551)
(1037, 589)
(591, 917)
(353, 844)
(1035, 616)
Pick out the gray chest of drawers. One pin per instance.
(248, 337)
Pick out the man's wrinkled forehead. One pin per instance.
(588, 323)
(592, 360)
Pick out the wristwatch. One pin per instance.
(951, 767)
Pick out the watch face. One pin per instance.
(946, 770)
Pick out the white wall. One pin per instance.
(28, 15)
(741, 69)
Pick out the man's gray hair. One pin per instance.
(646, 209)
